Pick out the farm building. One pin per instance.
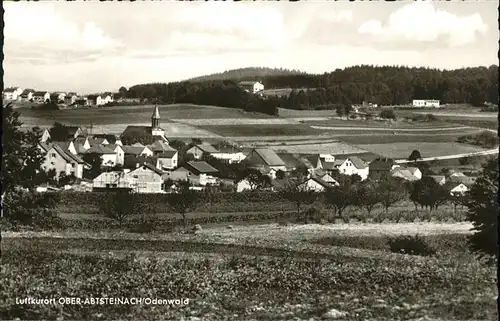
(41, 97)
(146, 179)
(316, 184)
(264, 158)
(426, 103)
(251, 86)
(114, 179)
(352, 165)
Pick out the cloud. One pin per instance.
(421, 22)
(337, 16)
(36, 31)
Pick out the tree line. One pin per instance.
(384, 85)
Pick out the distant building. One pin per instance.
(353, 165)
(95, 100)
(426, 103)
(12, 93)
(27, 94)
(41, 97)
(251, 86)
(70, 98)
(57, 97)
(266, 158)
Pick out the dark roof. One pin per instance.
(313, 159)
(328, 165)
(63, 154)
(109, 137)
(466, 180)
(151, 167)
(40, 93)
(72, 130)
(136, 130)
(381, 164)
(228, 149)
(27, 91)
(64, 145)
(357, 162)
(437, 178)
(76, 158)
(160, 146)
(290, 160)
(80, 140)
(201, 167)
(133, 150)
(131, 161)
(10, 89)
(100, 149)
(269, 157)
(97, 141)
(93, 97)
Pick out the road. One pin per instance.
(427, 159)
(394, 129)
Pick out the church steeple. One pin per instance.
(155, 118)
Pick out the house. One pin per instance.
(62, 161)
(74, 132)
(137, 150)
(82, 144)
(328, 179)
(381, 167)
(196, 172)
(316, 184)
(70, 98)
(425, 103)
(82, 101)
(146, 179)
(95, 100)
(229, 154)
(154, 130)
(468, 181)
(132, 161)
(440, 179)
(198, 150)
(251, 86)
(168, 159)
(41, 97)
(45, 135)
(404, 173)
(106, 98)
(205, 172)
(159, 147)
(57, 97)
(27, 94)
(115, 179)
(108, 155)
(120, 153)
(264, 158)
(65, 146)
(98, 141)
(415, 171)
(457, 189)
(353, 165)
(12, 93)
(294, 161)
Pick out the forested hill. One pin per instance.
(249, 73)
(381, 85)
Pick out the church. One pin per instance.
(136, 133)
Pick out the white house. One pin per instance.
(114, 179)
(95, 100)
(353, 165)
(120, 154)
(459, 189)
(243, 185)
(106, 98)
(108, 155)
(61, 161)
(251, 86)
(426, 103)
(57, 97)
(146, 179)
(12, 93)
(316, 184)
(168, 159)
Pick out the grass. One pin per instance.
(132, 114)
(263, 130)
(245, 278)
(427, 149)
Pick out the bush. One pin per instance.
(387, 114)
(412, 245)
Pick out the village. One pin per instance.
(157, 167)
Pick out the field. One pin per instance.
(403, 150)
(265, 272)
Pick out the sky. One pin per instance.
(91, 47)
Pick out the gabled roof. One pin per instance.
(150, 167)
(131, 161)
(81, 140)
(64, 145)
(97, 141)
(93, 97)
(413, 170)
(466, 180)
(113, 146)
(167, 154)
(328, 165)
(403, 173)
(357, 162)
(62, 153)
(290, 160)
(109, 137)
(27, 91)
(207, 148)
(228, 149)
(381, 164)
(313, 159)
(10, 89)
(99, 149)
(201, 167)
(45, 146)
(72, 130)
(136, 130)
(319, 181)
(76, 158)
(269, 157)
(437, 178)
(133, 150)
(79, 148)
(160, 146)
(40, 93)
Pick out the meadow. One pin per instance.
(426, 149)
(302, 272)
